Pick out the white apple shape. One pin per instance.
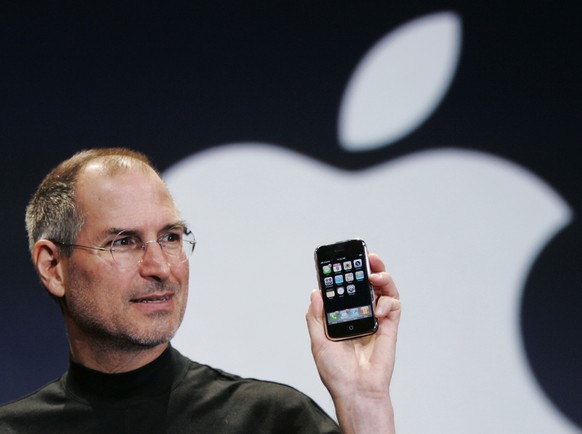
(458, 230)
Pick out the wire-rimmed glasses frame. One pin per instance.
(128, 250)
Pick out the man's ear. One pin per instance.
(49, 263)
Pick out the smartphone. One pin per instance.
(348, 297)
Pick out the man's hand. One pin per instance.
(357, 372)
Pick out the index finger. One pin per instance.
(381, 279)
(376, 264)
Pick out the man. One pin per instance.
(110, 247)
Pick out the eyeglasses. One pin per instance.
(128, 250)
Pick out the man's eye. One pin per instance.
(171, 238)
(124, 242)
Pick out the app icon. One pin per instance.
(327, 269)
(333, 316)
(355, 313)
(359, 275)
(330, 293)
(339, 279)
(328, 281)
(347, 265)
(340, 290)
(350, 277)
(358, 263)
(365, 310)
(337, 267)
(351, 289)
(344, 314)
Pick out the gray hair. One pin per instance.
(53, 212)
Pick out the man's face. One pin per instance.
(140, 306)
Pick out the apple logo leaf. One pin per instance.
(400, 82)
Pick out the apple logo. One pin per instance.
(458, 229)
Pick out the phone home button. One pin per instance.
(351, 328)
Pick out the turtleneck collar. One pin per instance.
(153, 379)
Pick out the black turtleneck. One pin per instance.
(172, 394)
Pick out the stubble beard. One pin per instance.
(127, 337)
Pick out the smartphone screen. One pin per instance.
(348, 297)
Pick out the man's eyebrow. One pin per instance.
(117, 230)
(178, 224)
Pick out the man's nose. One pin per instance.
(154, 263)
